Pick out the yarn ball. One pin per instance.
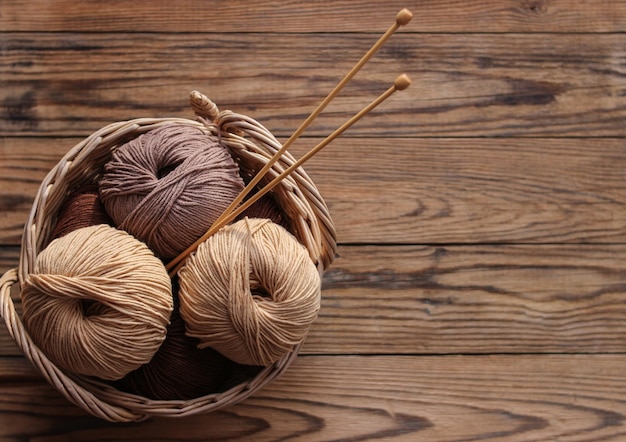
(222, 288)
(168, 186)
(98, 302)
(179, 369)
(83, 208)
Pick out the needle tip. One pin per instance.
(402, 82)
(403, 17)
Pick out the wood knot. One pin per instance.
(535, 7)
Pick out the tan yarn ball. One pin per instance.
(98, 302)
(222, 287)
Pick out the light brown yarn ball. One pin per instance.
(98, 302)
(221, 286)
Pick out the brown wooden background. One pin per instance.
(480, 288)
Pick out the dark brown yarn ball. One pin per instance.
(83, 208)
(266, 208)
(179, 370)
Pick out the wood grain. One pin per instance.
(467, 300)
(473, 299)
(572, 398)
(17, 369)
(464, 85)
(418, 191)
(469, 191)
(479, 290)
(315, 16)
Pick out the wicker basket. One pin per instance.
(251, 145)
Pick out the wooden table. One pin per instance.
(480, 287)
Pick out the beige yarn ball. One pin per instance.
(222, 287)
(98, 302)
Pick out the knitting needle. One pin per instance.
(402, 18)
(401, 83)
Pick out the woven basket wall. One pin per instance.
(252, 145)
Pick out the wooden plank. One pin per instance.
(312, 16)
(473, 299)
(566, 398)
(16, 369)
(465, 85)
(475, 191)
(418, 191)
(467, 300)
(8, 257)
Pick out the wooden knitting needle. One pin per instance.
(401, 83)
(402, 18)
